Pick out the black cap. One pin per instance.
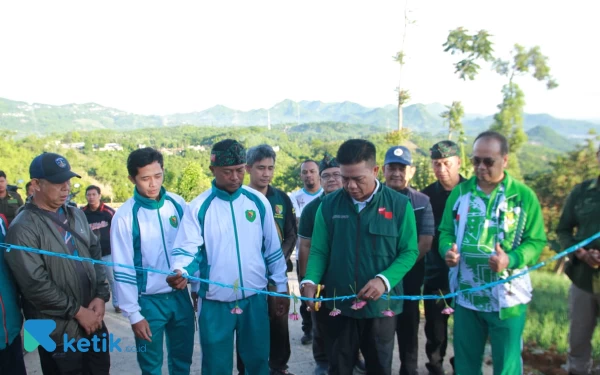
(52, 167)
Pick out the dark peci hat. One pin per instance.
(444, 149)
(51, 167)
(227, 153)
(328, 162)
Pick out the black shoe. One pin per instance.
(280, 372)
(435, 369)
(306, 339)
(118, 310)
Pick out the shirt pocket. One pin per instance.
(384, 238)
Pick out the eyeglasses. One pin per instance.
(487, 161)
(335, 176)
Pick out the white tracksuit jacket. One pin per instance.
(142, 235)
(229, 238)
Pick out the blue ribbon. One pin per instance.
(571, 249)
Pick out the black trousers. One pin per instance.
(407, 328)
(374, 337)
(11, 358)
(436, 331)
(307, 324)
(60, 362)
(280, 350)
(320, 321)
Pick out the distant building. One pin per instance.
(73, 146)
(111, 147)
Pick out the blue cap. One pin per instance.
(398, 154)
(51, 167)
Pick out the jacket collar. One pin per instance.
(224, 195)
(508, 182)
(150, 204)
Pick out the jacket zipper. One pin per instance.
(357, 253)
(237, 248)
(4, 321)
(162, 234)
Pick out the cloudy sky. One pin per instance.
(158, 57)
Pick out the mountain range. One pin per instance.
(24, 119)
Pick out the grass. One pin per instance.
(547, 317)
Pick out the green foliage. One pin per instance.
(548, 322)
(453, 115)
(554, 184)
(474, 46)
(509, 119)
(192, 182)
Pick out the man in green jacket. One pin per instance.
(580, 219)
(70, 292)
(364, 241)
(492, 227)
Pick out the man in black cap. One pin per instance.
(228, 234)
(72, 293)
(446, 162)
(398, 170)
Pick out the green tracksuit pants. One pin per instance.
(251, 328)
(471, 331)
(170, 315)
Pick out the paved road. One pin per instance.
(301, 362)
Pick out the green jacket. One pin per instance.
(581, 212)
(522, 226)
(10, 204)
(49, 284)
(349, 248)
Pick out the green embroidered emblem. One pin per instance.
(173, 220)
(251, 215)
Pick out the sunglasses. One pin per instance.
(487, 161)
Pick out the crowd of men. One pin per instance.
(353, 235)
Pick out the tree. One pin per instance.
(477, 47)
(191, 182)
(454, 116)
(403, 95)
(553, 186)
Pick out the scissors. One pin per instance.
(318, 304)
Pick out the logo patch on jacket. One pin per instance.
(173, 220)
(251, 215)
(278, 209)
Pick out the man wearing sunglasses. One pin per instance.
(581, 213)
(492, 227)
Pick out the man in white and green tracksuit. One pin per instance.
(492, 227)
(142, 235)
(228, 233)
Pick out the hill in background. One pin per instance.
(23, 118)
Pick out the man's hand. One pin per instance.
(309, 290)
(591, 257)
(195, 301)
(88, 319)
(281, 306)
(452, 256)
(499, 261)
(177, 281)
(373, 290)
(142, 331)
(98, 305)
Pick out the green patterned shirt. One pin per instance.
(478, 244)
